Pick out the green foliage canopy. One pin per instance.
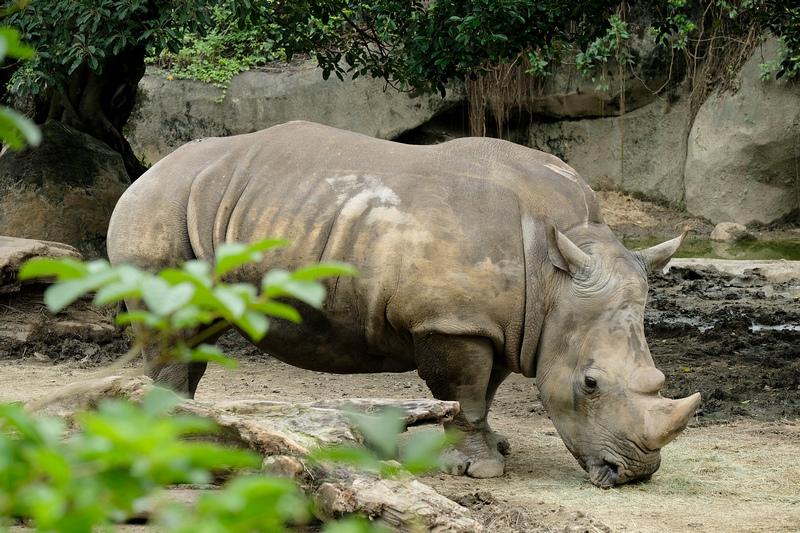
(15, 129)
(67, 34)
(411, 43)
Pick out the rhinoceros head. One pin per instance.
(594, 371)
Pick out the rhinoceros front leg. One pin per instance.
(500, 441)
(460, 368)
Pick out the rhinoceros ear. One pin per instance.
(565, 254)
(656, 257)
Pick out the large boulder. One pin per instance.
(173, 112)
(737, 160)
(743, 150)
(63, 191)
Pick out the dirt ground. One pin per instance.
(733, 338)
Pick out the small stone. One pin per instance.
(41, 358)
(283, 466)
(731, 232)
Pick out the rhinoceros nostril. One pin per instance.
(604, 474)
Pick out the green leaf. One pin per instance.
(115, 293)
(254, 324)
(65, 268)
(212, 354)
(130, 317)
(163, 299)
(159, 402)
(231, 302)
(199, 270)
(140, 317)
(310, 292)
(75, 64)
(324, 269)
(10, 45)
(279, 310)
(380, 432)
(190, 316)
(423, 452)
(18, 130)
(230, 255)
(282, 283)
(128, 285)
(272, 282)
(61, 294)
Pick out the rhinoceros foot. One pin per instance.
(475, 457)
(483, 468)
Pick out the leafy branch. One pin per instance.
(192, 297)
(16, 129)
(119, 458)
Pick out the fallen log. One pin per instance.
(403, 503)
(285, 433)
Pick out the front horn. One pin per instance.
(665, 420)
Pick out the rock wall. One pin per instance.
(173, 112)
(644, 151)
(737, 161)
(743, 157)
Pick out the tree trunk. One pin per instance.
(101, 105)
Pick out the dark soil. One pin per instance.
(703, 330)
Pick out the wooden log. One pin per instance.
(416, 411)
(284, 433)
(402, 503)
(269, 428)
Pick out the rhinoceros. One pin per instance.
(477, 257)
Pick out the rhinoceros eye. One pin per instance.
(590, 382)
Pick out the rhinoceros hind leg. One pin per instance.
(182, 378)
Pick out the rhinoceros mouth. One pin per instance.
(604, 474)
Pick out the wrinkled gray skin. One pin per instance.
(478, 258)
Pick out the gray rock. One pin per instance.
(743, 150)
(15, 251)
(731, 232)
(173, 112)
(64, 190)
